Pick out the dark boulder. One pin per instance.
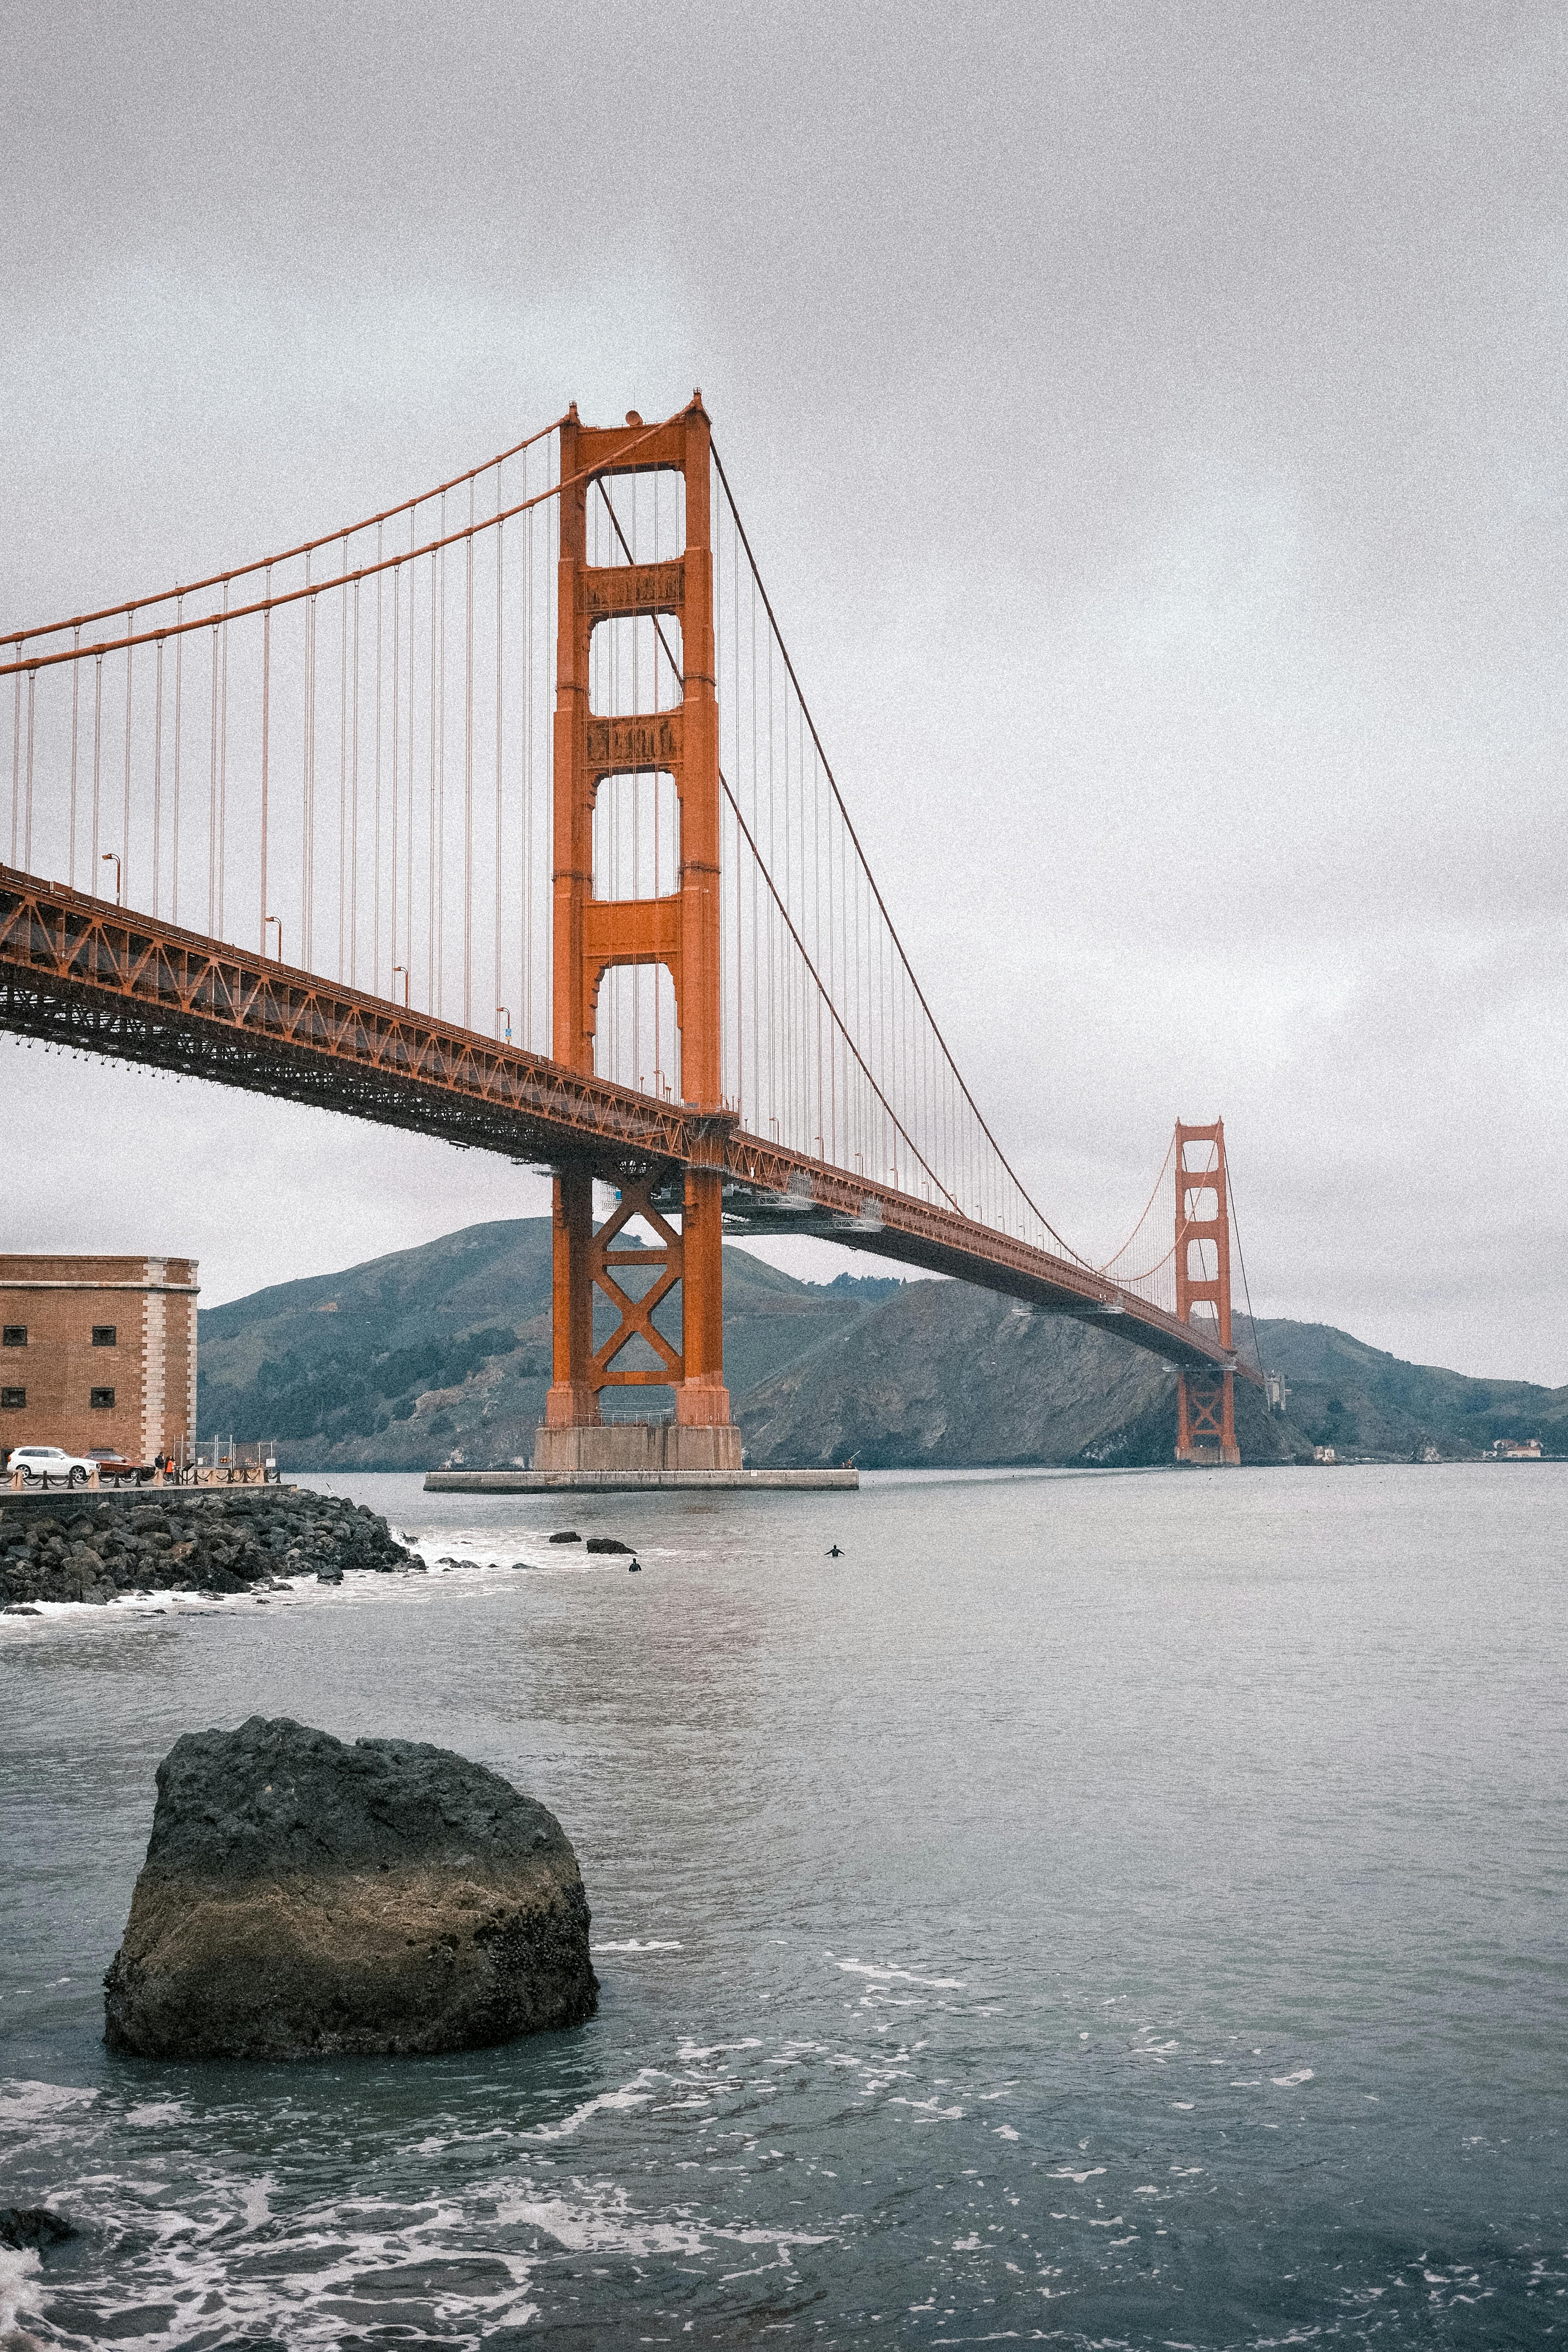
(607, 1543)
(303, 1896)
(26, 2227)
(566, 1535)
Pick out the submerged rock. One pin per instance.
(303, 1896)
(24, 2227)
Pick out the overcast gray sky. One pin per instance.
(1150, 420)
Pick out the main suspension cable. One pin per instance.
(872, 880)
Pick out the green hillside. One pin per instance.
(1361, 1401)
(399, 1362)
(443, 1352)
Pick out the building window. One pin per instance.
(15, 1336)
(101, 1397)
(105, 1335)
(13, 1400)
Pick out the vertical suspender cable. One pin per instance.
(31, 703)
(342, 754)
(376, 882)
(469, 767)
(765, 1117)
(97, 761)
(174, 829)
(125, 812)
(525, 942)
(157, 764)
(440, 1004)
(75, 698)
(222, 776)
(16, 756)
(552, 551)
(396, 684)
(436, 681)
(213, 796)
(266, 740)
(353, 817)
(500, 642)
(308, 795)
(408, 830)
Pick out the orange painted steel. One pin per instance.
(591, 936)
(97, 977)
(1206, 1399)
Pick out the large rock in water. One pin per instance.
(302, 1897)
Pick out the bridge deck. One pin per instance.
(108, 979)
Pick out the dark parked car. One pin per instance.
(114, 1470)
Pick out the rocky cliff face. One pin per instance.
(302, 1897)
(945, 1375)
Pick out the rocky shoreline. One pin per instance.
(225, 1541)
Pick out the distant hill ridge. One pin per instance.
(443, 1352)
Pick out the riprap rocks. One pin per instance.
(303, 1896)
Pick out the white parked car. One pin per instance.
(43, 1466)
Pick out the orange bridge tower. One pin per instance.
(1206, 1399)
(591, 936)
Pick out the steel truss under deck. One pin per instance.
(101, 979)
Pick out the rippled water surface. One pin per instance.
(1101, 1910)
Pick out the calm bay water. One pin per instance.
(1101, 1910)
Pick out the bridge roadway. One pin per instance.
(97, 977)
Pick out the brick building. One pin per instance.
(98, 1351)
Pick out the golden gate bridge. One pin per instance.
(501, 815)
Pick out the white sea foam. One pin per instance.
(654, 1944)
(1289, 2082)
(602, 2223)
(899, 1976)
(603, 2103)
(197, 2259)
(23, 2103)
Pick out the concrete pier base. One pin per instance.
(628, 1456)
(636, 1445)
(616, 1482)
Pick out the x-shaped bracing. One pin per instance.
(636, 1313)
